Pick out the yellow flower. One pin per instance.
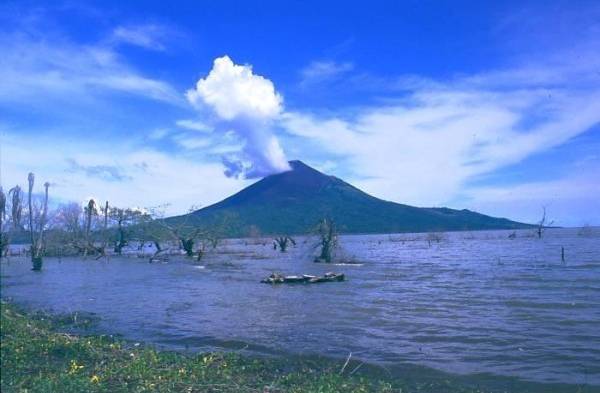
(94, 379)
(75, 367)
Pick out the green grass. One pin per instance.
(37, 357)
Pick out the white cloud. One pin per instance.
(194, 125)
(158, 133)
(234, 91)
(191, 142)
(147, 36)
(571, 200)
(318, 71)
(35, 67)
(146, 177)
(246, 104)
(425, 147)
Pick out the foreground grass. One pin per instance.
(36, 357)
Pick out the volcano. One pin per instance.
(293, 202)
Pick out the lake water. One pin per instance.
(474, 302)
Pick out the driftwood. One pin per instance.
(276, 278)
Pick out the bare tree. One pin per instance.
(10, 218)
(541, 226)
(327, 240)
(105, 212)
(16, 212)
(187, 235)
(36, 232)
(124, 219)
(434, 237)
(3, 237)
(69, 219)
(91, 210)
(282, 242)
(191, 238)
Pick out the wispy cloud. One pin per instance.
(148, 36)
(104, 172)
(191, 142)
(426, 145)
(144, 173)
(36, 66)
(572, 199)
(195, 125)
(319, 71)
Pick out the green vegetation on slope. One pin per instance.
(295, 202)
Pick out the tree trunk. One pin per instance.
(121, 242)
(188, 246)
(36, 260)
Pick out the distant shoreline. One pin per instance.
(269, 237)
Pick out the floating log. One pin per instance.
(276, 278)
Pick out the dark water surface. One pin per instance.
(475, 302)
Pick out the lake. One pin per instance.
(463, 303)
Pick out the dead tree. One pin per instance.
(121, 217)
(16, 211)
(184, 233)
(541, 226)
(90, 210)
(36, 232)
(13, 212)
(104, 230)
(282, 242)
(327, 240)
(69, 219)
(3, 238)
(124, 219)
(11, 216)
(433, 237)
(188, 238)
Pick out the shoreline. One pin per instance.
(38, 355)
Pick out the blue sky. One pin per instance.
(490, 106)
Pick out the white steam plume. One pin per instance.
(247, 104)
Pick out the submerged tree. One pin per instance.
(282, 242)
(89, 247)
(124, 219)
(105, 212)
(327, 240)
(199, 239)
(191, 238)
(36, 232)
(3, 237)
(16, 210)
(541, 226)
(434, 237)
(10, 216)
(187, 238)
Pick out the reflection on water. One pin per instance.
(472, 302)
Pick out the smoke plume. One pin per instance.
(246, 103)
